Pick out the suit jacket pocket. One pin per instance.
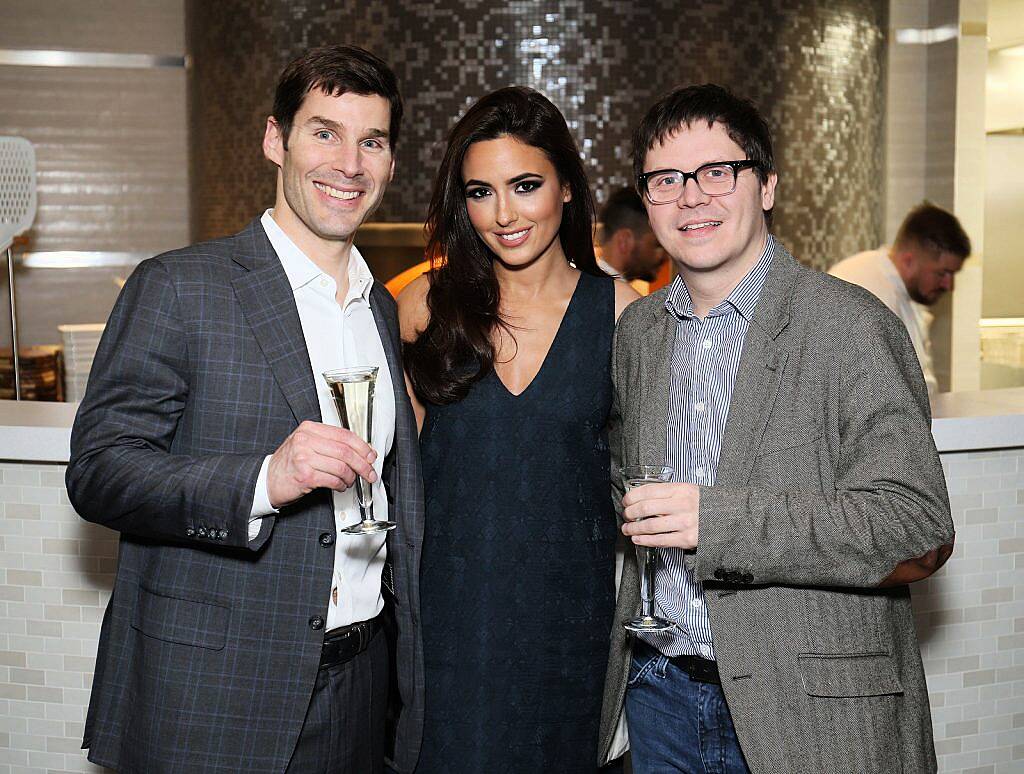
(849, 675)
(778, 439)
(185, 621)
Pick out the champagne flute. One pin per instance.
(647, 558)
(352, 389)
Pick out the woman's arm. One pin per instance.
(624, 296)
(413, 316)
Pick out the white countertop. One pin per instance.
(33, 431)
(963, 421)
(989, 419)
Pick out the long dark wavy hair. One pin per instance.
(456, 348)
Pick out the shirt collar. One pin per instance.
(743, 297)
(301, 270)
(608, 269)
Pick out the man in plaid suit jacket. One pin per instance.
(202, 440)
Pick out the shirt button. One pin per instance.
(698, 472)
(316, 622)
(707, 343)
(326, 539)
(323, 283)
(698, 406)
(696, 602)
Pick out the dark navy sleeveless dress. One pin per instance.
(517, 587)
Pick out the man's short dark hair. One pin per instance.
(336, 70)
(709, 104)
(933, 228)
(624, 209)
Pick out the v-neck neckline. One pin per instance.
(551, 347)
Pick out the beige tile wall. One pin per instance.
(970, 619)
(56, 573)
(120, 26)
(111, 148)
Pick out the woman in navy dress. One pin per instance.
(508, 348)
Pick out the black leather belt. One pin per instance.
(699, 669)
(346, 642)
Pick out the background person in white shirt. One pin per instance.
(629, 249)
(911, 275)
(245, 634)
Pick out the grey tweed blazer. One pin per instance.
(207, 658)
(828, 480)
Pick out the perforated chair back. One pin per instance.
(17, 188)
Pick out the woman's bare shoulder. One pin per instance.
(624, 296)
(413, 314)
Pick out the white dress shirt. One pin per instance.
(643, 287)
(340, 336)
(874, 271)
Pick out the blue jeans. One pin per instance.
(677, 724)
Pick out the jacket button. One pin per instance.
(720, 573)
(201, 532)
(316, 622)
(222, 534)
(326, 539)
(189, 531)
(748, 577)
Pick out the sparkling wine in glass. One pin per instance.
(352, 389)
(647, 558)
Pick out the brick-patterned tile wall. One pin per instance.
(970, 619)
(56, 572)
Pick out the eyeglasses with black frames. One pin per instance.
(664, 186)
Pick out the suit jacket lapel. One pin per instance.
(655, 375)
(405, 427)
(402, 471)
(388, 336)
(760, 373)
(268, 303)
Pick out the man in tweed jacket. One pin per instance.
(808, 492)
(245, 633)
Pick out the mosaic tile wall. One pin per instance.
(816, 68)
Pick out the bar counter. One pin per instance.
(58, 570)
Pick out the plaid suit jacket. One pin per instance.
(207, 658)
(828, 478)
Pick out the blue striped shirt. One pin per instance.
(705, 360)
